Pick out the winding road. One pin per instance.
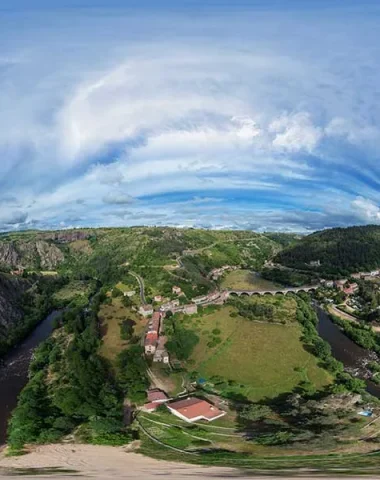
(140, 281)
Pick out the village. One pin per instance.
(191, 409)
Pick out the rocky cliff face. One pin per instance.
(66, 236)
(11, 292)
(30, 254)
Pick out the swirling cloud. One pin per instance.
(276, 128)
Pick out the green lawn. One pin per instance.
(264, 359)
(110, 317)
(245, 279)
(70, 291)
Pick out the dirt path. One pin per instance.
(112, 463)
(140, 281)
(156, 382)
(346, 316)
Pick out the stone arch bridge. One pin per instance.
(282, 291)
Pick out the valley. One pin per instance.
(134, 329)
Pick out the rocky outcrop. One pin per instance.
(9, 254)
(11, 292)
(50, 255)
(66, 236)
(32, 254)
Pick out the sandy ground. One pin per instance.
(105, 463)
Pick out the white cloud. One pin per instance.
(152, 107)
(366, 209)
(295, 132)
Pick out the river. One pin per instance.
(353, 357)
(14, 370)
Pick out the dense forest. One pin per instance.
(340, 251)
(71, 386)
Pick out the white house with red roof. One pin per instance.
(194, 409)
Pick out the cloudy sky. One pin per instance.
(245, 114)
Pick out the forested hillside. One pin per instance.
(162, 256)
(23, 303)
(340, 251)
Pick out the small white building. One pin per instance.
(146, 310)
(131, 293)
(176, 290)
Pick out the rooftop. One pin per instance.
(156, 395)
(192, 408)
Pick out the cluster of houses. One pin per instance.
(349, 288)
(343, 285)
(216, 273)
(366, 275)
(154, 341)
(190, 409)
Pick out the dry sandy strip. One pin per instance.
(86, 461)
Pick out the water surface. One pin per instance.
(14, 370)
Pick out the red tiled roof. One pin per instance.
(156, 395)
(151, 406)
(194, 407)
(151, 338)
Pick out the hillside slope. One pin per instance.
(12, 290)
(339, 250)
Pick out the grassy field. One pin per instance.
(111, 316)
(276, 462)
(261, 359)
(246, 280)
(74, 288)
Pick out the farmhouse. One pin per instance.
(158, 298)
(165, 307)
(150, 342)
(146, 310)
(195, 409)
(157, 396)
(161, 354)
(190, 309)
(176, 290)
(130, 293)
(152, 335)
(351, 288)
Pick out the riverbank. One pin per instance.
(64, 461)
(14, 369)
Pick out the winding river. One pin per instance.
(353, 357)
(14, 370)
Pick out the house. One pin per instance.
(190, 309)
(149, 407)
(158, 298)
(20, 271)
(165, 307)
(146, 310)
(356, 275)
(339, 284)
(351, 288)
(176, 290)
(161, 354)
(315, 263)
(131, 293)
(194, 409)
(327, 283)
(156, 395)
(200, 299)
(374, 273)
(150, 343)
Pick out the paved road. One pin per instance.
(140, 281)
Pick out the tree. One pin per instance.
(255, 412)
